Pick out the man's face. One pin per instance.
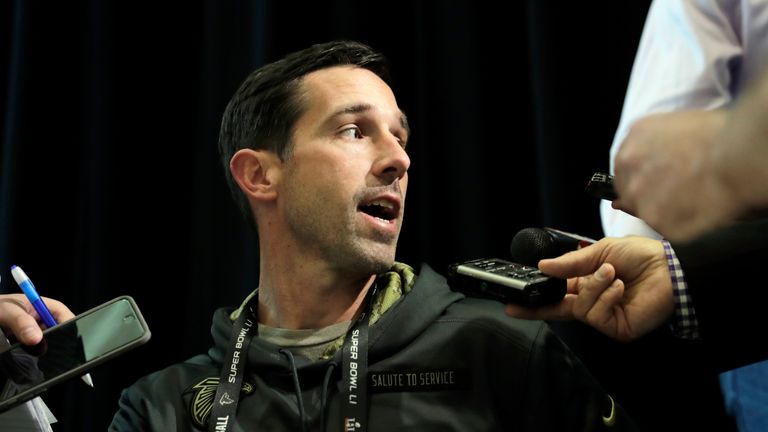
(343, 188)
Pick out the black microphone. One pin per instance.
(530, 245)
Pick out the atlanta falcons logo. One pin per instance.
(202, 399)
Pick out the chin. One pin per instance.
(376, 263)
(369, 257)
(384, 266)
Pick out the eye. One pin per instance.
(352, 132)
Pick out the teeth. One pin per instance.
(383, 203)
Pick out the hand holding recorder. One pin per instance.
(620, 286)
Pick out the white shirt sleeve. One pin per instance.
(692, 55)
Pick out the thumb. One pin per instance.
(575, 263)
(27, 330)
(17, 319)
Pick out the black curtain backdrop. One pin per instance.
(110, 181)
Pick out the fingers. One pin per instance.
(58, 309)
(598, 300)
(603, 313)
(592, 299)
(576, 263)
(583, 294)
(16, 316)
(589, 289)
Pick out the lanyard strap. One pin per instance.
(355, 391)
(227, 396)
(355, 367)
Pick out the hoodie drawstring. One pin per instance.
(324, 395)
(296, 387)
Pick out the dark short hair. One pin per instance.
(263, 111)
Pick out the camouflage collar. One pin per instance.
(393, 284)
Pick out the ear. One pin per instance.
(256, 172)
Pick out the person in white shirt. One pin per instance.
(696, 55)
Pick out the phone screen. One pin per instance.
(70, 349)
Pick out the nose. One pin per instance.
(393, 162)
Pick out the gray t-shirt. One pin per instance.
(310, 343)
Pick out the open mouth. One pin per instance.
(380, 209)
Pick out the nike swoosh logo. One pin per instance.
(611, 419)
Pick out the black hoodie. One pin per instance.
(437, 361)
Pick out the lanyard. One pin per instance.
(227, 396)
(355, 367)
(355, 370)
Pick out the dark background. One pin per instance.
(110, 182)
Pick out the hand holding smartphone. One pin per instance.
(70, 349)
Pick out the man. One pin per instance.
(339, 336)
(347, 338)
(693, 55)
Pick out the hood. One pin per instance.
(424, 298)
(411, 315)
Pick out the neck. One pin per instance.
(307, 298)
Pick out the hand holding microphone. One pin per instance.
(620, 286)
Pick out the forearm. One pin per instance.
(696, 72)
(741, 157)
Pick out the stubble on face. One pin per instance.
(329, 227)
(325, 183)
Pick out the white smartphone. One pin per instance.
(70, 350)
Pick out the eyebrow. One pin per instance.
(364, 107)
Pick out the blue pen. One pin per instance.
(29, 290)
